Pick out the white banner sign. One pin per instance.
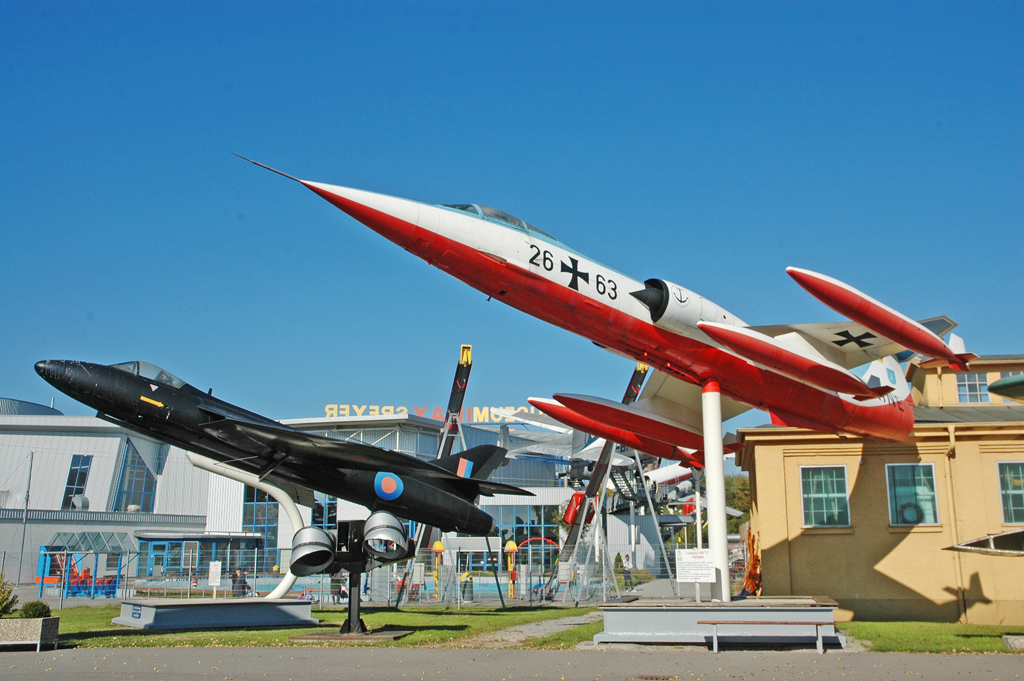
(214, 573)
(695, 565)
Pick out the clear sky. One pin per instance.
(711, 144)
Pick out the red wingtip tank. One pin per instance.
(878, 317)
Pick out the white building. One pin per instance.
(92, 484)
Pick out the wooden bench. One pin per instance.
(817, 629)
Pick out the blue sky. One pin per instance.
(711, 144)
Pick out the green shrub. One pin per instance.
(34, 609)
(7, 598)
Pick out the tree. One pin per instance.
(7, 598)
(737, 495)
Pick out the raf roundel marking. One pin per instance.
(388, 486)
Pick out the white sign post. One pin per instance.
(697, 566)
(214, 579)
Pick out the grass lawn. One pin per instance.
(930, 637)
(568, 638)
(90, 627)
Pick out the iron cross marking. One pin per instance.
(576, 274)
(850, 338)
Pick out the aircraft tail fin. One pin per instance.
(475, 466)
(477, 463)
(885, 376)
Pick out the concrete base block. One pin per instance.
(751, 621)
(170, 613)
(1014, 642)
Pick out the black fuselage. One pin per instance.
(188, 418)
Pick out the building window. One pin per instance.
(77, 477)
(824, 496)
(136, 485)
(1011, 489)
(1011, 374)
(325, 512)
(912, 494)
(259, 515)
(972, 388)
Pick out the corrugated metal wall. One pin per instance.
(183, 488)
(52, 460)
(224, 505)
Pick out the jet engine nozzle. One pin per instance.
(384, 536)
(678, 309)
(654, 296)
(312, 551)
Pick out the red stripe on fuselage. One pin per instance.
(678, 355)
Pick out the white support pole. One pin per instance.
(714, 471)
(286, 502)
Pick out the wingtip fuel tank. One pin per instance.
(880, 318)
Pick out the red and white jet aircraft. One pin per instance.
(800, 373)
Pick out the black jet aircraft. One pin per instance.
(145, 398)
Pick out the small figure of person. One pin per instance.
(336, 588)
(237, 584)
(627, 572)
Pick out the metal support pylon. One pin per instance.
(449, 432)
(657, 527)
(598, 481)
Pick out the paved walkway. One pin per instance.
(515, 636)
(405, 664)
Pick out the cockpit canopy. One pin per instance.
(494, 214)
(150, 371)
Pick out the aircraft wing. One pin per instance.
(537, 436)
(319, 450)
(847, 343)
(300, 494)
(675, 399)
(489, 489)
(539, 420)
(541, 450)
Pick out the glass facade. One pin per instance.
(325, 512)
(1011, 490)
(259, 516)
(78, 475)
(533, 528)
(172, 558)
(824, 496)
(912, 494)
(136, 485)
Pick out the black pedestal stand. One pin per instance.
(354, 624)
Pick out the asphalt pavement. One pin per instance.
(405, 664)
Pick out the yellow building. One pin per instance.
(866, 522)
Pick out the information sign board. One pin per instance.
(695, 565)
(214, 573)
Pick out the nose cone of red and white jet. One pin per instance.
(397, 220)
